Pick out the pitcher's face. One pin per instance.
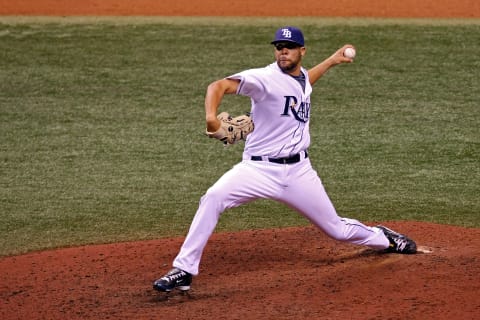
(289, 56)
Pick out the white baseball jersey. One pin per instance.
(280, 111)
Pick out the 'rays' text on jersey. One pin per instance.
(301, 111)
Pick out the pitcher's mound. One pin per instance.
(293, 273)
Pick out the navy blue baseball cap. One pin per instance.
(290, 34)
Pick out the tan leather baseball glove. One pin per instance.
(232, 129)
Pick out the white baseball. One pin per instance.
(349, 53)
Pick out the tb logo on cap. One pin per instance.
(291, 34)
(286, 33)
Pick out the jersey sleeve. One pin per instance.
(251, 84)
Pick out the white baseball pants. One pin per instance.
(297, 185)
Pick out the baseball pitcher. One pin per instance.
(276, 163)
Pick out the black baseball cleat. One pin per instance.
(175, 278)
(399, 243)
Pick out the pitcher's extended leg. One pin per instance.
(306, 194)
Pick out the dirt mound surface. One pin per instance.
(293, 273)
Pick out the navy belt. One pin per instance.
(293, 159)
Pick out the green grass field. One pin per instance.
(102, 121)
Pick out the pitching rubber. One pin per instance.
(424, 249)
